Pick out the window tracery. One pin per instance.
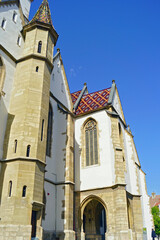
(91, 148)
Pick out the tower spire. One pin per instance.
(43, 14)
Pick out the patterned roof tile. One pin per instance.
(43, 14)
(91, 101)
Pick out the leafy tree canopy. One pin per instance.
(156, 218)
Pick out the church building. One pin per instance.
(69, 168)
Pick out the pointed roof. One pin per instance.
(43, 14)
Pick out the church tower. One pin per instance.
(23, 166)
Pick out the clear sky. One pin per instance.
(101, 40)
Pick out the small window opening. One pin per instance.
(119, 127)
(24, 191)
(42, 130)
(14, 17)
(10, 189)
(19, 41)
(28, 150)
(37, 68)
(15, 146)
(3, 24)
(39, 46)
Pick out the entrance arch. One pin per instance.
(94, 224)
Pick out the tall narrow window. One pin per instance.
(2, 75)
(15, 146)
(42, 130)
(37, 68)
(3, 24)
(14, 18)
(49, 131)
(28, 150)
(19, 41)
(24, 191)
(39, 47)
(10, 189)
(91, 143)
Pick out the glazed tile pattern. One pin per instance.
(92, 101)
(43, 14)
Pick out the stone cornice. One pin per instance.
(43, 26)
(23, 159)
(8, 53)
(35, 56)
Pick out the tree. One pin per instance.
(156, 219)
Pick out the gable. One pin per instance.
(59, 84)
(116, 103)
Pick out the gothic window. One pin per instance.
(49, 131)
(39, 47)
(24, 191)
(10, 189)
(37, 68)
(2, 75)
(3, 24)
(14, 18)
(91, 148)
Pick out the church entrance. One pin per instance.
(94, 221)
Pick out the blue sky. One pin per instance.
(101, 40)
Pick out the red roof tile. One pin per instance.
(91, 101)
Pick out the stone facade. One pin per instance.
(63, 194)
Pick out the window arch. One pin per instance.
(39, 47)
(2, 75)
(91, 146)
(49, 131)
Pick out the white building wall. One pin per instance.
(5, 100)
(146, 210)
(25, 4)
(50, 211)
(59, 85)
(130, 175)
(100, 175)
(12, 30)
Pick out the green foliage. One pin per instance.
(156, 218)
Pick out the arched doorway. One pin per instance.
(94, 221)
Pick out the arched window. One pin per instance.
(39, 47)
(49, 131)
(10, 189)
(37, 68)
(2, 75)
(91, 148)
(24, 191)
(28, 150)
